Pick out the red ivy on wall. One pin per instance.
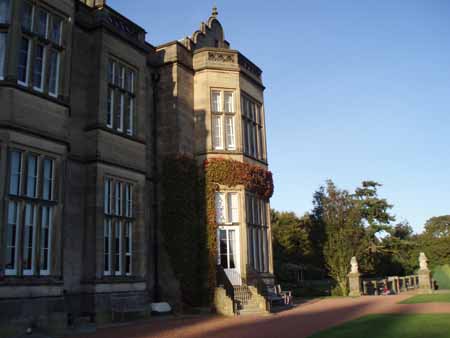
(230, 173)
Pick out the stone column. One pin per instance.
(425, 283)
(354, 279)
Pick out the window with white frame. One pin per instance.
(40, 50)
(118, 227)
(30, 213)
(223, 119)
(253, 128)
(121, 98)
(227, 207)
(257, 233)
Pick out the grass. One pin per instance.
(392, 326)
(436, 298)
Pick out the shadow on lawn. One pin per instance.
(295, 324)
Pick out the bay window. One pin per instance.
(30, 214)
(118, 228)
(121, 100)
(223, 120)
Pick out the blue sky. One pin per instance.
(356, 90)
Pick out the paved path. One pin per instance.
(299, 322)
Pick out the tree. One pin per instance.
(436, 240)
(291, 243)
(344, 232)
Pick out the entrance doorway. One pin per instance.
(228, 243)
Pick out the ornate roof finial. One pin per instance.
(215, 13)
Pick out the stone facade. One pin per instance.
(88, 109)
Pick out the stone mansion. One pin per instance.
(89, 111)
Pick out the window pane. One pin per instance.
(15, 171)
(220, 208)
(42, 23)
(4, 11)
(28, 240)
(121, 78)
(128, 247)
(53, 82)
(228, 102)
(130, 112)
(46, 225)
(2, 55)
(107, 246)
(120, 113)
(118, 199)
(47, 193)
(232, 246)
(24, 54)
(110, 108)
(129, 80)
(118, 248)
(32, 176)
(128, 200)
(233, 208)
(250, 245)
(11, 236)
(229, 125)
(111, 69)
(27, 16)
(107, 196)
(38, 67)
(56, 30)
(223, 249)
(217, 132)
(215, 101)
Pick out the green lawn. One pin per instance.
(420, 299)
(392, 326)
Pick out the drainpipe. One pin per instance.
(155, 174)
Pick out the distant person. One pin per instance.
(435, 285)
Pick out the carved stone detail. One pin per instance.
(220, 57)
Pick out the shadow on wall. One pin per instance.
(181, 259)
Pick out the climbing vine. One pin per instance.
(188, 216)
(229, 173)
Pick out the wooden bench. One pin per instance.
(128, 303)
